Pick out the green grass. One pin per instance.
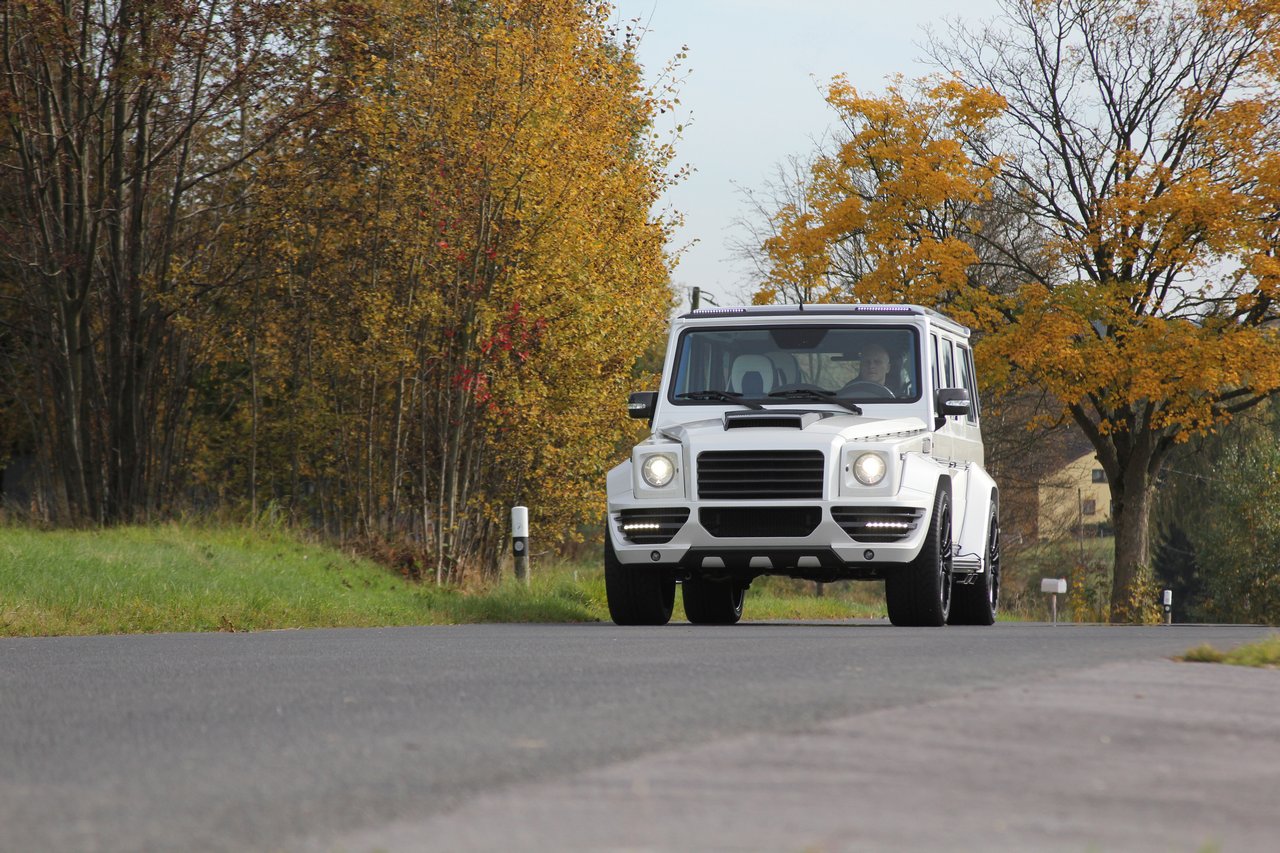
(1264, 653)
(171, 578)
(191, 578)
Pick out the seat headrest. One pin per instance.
(758, 364)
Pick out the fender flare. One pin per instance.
(982, 503)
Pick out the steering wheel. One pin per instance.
(865, 388)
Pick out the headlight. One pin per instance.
(869, 468)
(658, 470)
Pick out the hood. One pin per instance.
(780, 423)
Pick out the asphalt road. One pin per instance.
(674, 738)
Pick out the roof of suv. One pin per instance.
(825, 310)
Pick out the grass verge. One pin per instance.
(1264, 653)
(190, 578)
(174, 578)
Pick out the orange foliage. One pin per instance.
(901, 187)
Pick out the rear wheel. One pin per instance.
(977, 603)
(919, 593)
(638, 595)
(713, 602)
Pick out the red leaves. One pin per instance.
(475, 383)
(515, 336)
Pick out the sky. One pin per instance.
(753, 96)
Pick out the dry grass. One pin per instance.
(1264, 653)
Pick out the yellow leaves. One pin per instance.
(459, 264)
(895, 193)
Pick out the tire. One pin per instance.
(713, 602)
(978, 603)
(919, 594)
(638, 595)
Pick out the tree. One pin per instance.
(1221, 507)
(883, 216)
(1135, 162)
(122, 120)
(457, 269)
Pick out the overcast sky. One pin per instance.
(756, 71)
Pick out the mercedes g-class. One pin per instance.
(821, 442)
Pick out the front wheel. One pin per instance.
(919, 593)
(713, 602)
(638, 595)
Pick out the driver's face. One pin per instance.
(875, 364)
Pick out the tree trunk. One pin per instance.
(1132, 515)
(1134, 469)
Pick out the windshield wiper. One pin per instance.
(720, 396)
(814, 395)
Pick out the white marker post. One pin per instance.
(1055, 587)
(520, 542)
(1166, 598)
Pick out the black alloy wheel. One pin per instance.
(919, 593)
(713, 602)
(977, 603)
(638, 594)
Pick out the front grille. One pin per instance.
(651, 526)
(877, 523)
(760, 474)
(760, 522)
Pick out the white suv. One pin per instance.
(821, 442)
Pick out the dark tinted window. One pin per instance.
(965, 363)
(948, 365)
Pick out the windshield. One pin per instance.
(864, 364)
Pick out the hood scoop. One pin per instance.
(773, 419)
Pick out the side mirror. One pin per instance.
(949, 402)
(642, 404)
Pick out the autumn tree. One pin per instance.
(1130, 153)
(457, 270)
(122, 120)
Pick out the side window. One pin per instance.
(973, 376)
(965, 362)
(948, 365)
(936, 382)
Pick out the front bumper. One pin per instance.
(788, 537)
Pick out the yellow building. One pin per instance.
(1075, 500)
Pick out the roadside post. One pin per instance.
(1054, 587)
(1166, 598)
(520, 542)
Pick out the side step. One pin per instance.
(966, 565)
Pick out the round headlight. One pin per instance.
(658, 470)
(869, 468)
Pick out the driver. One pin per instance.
(874, 364)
